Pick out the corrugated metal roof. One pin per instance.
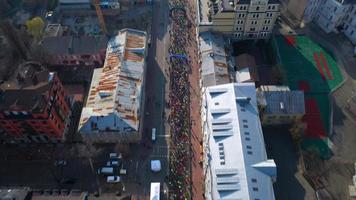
(116, 88)
(214, 62)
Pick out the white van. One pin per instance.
(123, 171)
(153, 134)
(106, 170)
(113, 179)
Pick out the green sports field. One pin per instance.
(309, 67)
(299, 64)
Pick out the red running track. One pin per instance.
(304, 85)
(325, 64)
(315, 128)
(320, 68)
(290, 39)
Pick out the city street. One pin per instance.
(155, 110)
(34, 166)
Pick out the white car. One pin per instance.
(112, 163)
(115, 156)
(156, 165)
(113, 179)
(153, 134)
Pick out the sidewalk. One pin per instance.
(195, 105)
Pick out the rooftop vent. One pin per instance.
(281, 104)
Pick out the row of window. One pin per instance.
(221, 153)
(255, 15)
(15, 113)
(258, 8)
(251, 35)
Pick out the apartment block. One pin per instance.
(242, 20)
(350, 24)
(33, 105)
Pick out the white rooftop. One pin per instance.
(238, 167)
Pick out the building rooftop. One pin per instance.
(228, 5)
(214, 60)
(67, 45)
(116, 88)
(283, 101)
(14, 193)
(76, 196)
(52, 30)
(27, 89)
(237, 159)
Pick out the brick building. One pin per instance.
(33, 105)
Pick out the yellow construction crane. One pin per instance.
(99, 13)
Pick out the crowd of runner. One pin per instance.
(179, 119)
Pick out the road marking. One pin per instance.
(163, 135)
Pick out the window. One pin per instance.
(255, 189)
(222, 163)
(244, 120)
(269, 7)
(248, 147)
(247, 138)
(257, 8)
(247, 133)
(243, 109)
(216, 103)
(352, 32)
(249, 152)
(252, 29)
(245, 126)
(273, 7)
(254, 180)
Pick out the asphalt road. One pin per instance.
(140, 176)
(35, 168)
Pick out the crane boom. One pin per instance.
(99, 13)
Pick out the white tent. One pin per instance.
(155, 165)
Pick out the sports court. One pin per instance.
(311, 68)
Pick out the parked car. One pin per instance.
(60, 163)
(113, 179)
(113, 163)
(68, 181)
(106, 170)
(115, 156)
(153, 134)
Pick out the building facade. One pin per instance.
(114, 108)
(349, 26)
(235, 160)
(243, 20)
(333, 16)
(33, 106)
